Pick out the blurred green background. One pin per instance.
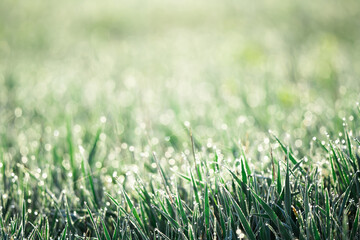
(144, 70)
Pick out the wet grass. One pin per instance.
(151, 121)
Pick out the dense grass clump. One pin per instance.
(136, 120)
(214, 198)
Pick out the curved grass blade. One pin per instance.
(289, 153)
(274, 218)
(133, 210)
(244, 222)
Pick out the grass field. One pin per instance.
(179, 119)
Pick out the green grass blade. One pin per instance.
(355, 225)
(196, 191)
(133, 210)
(243, 171)
(244, 222)
(47, 229)
(113, 199)
(346, 196)
(63, 236)
(68, 216)
(106, 232)
(191, 234)
(23, 219)
(207, 209)
(92, 187)
(93, 222)
(93, 148)
(290, 154)
(168, 217)
(328, 220)
(278, 182)
(182, 212)
(235, 177)
(287, 190)
(274, 218)
(315, 230)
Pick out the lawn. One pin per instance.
(179, 119)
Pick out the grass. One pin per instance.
(151, 121)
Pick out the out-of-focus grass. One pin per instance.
(142, 73)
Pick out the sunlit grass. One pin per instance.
(179, 120)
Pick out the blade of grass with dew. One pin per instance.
(315, 230)
(284, 232)
(181, 210)
(116, 234)
(47, 229)
(93, 222)
(243, 172)
(36, 231)
(197, 166)
(63, 236)
(202, 184)
(133, 209)
(168, 217)
(191, 234)
(23, 219)
(244, 222)
(147, 203)
(207, 210)
(196, 192)
(68, 217)
(106, 232)
(328, 219)
(346, 196)
(287, 190)
(343, 178)
(355, 225)
(289, 153)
